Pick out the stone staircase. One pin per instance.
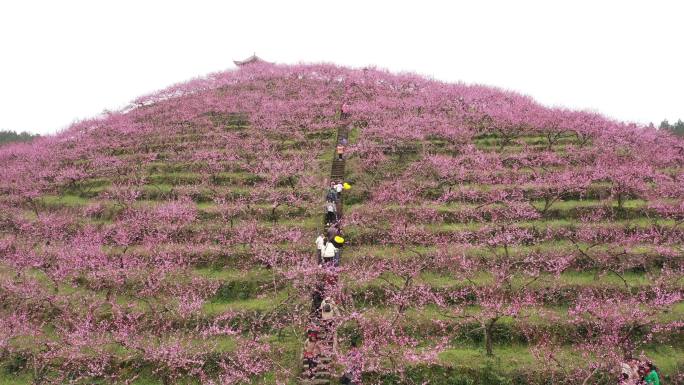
(337, 171)
(324, 372)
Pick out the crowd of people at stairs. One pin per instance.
(330, 244)
(636, 372)
(321, 333)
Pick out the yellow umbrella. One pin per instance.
(346, 186)
(338, 239)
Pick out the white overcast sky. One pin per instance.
(61, 61)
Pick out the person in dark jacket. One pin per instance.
(331, 195)
(332, 232)
(338, 242)
(316, 300)
(330, 213)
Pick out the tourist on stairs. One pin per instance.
(330, 213)
(338, 242)
(329, 253)
(328, 309)
(333, 231)
(311, 352)
(338, 203)
(331, 195)
(317, 299)
(340, 151)
(320, 244)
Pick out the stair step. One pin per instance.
(315, 381)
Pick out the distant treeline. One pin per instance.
(677, 128)
(12, 136)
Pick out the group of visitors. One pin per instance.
(329, 246)
(636, 372)
(330, 243)
(333, 202)
(324, 310)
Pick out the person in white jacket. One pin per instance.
(320, 244)
(329, 252)
(630, 372)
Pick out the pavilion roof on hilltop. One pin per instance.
(252, 59)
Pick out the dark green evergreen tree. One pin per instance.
(677, 128)
(7, 136)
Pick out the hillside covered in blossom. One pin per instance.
(489, 239)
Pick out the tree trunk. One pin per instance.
(488, 337)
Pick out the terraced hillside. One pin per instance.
(490, 240)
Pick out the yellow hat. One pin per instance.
(338, 239)
(346, 186)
